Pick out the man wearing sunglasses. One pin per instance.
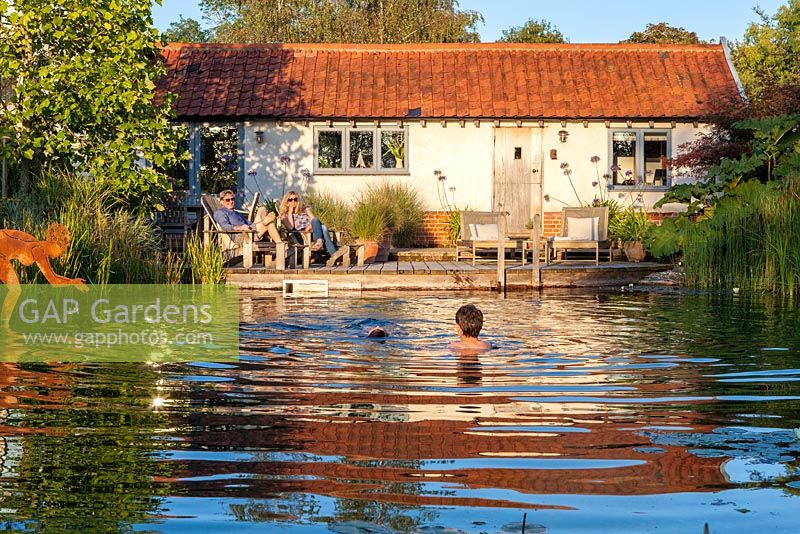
(230, 220)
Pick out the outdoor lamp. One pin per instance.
(259, 136)
(562, 135)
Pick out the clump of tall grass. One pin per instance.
(206, 263)
(108, 243)
(402, 206)
(751, 240)
(333, 211)
(369, 222)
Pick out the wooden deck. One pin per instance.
(449, 275)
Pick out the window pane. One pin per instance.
(624, 158)
(655, 158)
(361, 150)
(393, 150)
(330, 150)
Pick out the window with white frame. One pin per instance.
(639, 158)
(364, 150)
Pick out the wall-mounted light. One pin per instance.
(562, 135)
(259, 136)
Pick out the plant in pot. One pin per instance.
(396, 147)
(630, 226)
(403, 210)
(368, 227)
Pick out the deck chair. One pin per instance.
(247, 247)
(582, 229)
(481, 230)
(173, 221)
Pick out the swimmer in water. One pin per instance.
(377, 332)
(469, 321)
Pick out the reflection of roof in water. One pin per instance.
(343, 434)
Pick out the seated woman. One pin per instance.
(296, 216)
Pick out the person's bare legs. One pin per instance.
(265, 223)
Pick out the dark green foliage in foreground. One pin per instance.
(741, 227)
(77, 79)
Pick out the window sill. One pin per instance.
(644, 188)
(368, 172)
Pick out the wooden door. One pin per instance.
(517, 180)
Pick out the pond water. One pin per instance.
(596, 412)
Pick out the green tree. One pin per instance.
(533, 31)
(357, 21)
(663, 33)
(186, 31)
(79, 94)
(770, 50)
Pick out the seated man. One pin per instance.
(233, 221)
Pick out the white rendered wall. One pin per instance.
(582, 144)
(463, 154)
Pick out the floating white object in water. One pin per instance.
(735, 290)
(305, 288)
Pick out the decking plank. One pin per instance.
(375, 268)
(420, 267)
(435, 267)
(405, 267)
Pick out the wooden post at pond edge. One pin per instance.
(501, 251)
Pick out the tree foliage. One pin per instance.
(186, 31)
(355, 21)
(726, 141)
(770, 50)
(79, 93)
(663, 33)
(533, 31)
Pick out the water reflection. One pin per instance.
(605, 410)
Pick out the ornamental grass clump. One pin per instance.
(109, 244)
(332, 210)
(749, 240)
(206, 263)
(403, 208)
(369, 222)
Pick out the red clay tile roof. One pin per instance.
(436, 81)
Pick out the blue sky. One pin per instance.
(581, 21)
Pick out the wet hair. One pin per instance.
(470, 319)
(377, 332)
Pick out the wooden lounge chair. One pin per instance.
(247, 247)
(173, 221)
(582, 229)
(482, 230)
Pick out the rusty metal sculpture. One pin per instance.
(25, 248)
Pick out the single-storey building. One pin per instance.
(521, 128)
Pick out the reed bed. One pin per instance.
(108, 243)
(752, 241)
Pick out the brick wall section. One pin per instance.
(434, 230)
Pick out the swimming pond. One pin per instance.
(596, 412)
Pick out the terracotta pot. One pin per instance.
(384, 246)
(370, 250)
(634, 251)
